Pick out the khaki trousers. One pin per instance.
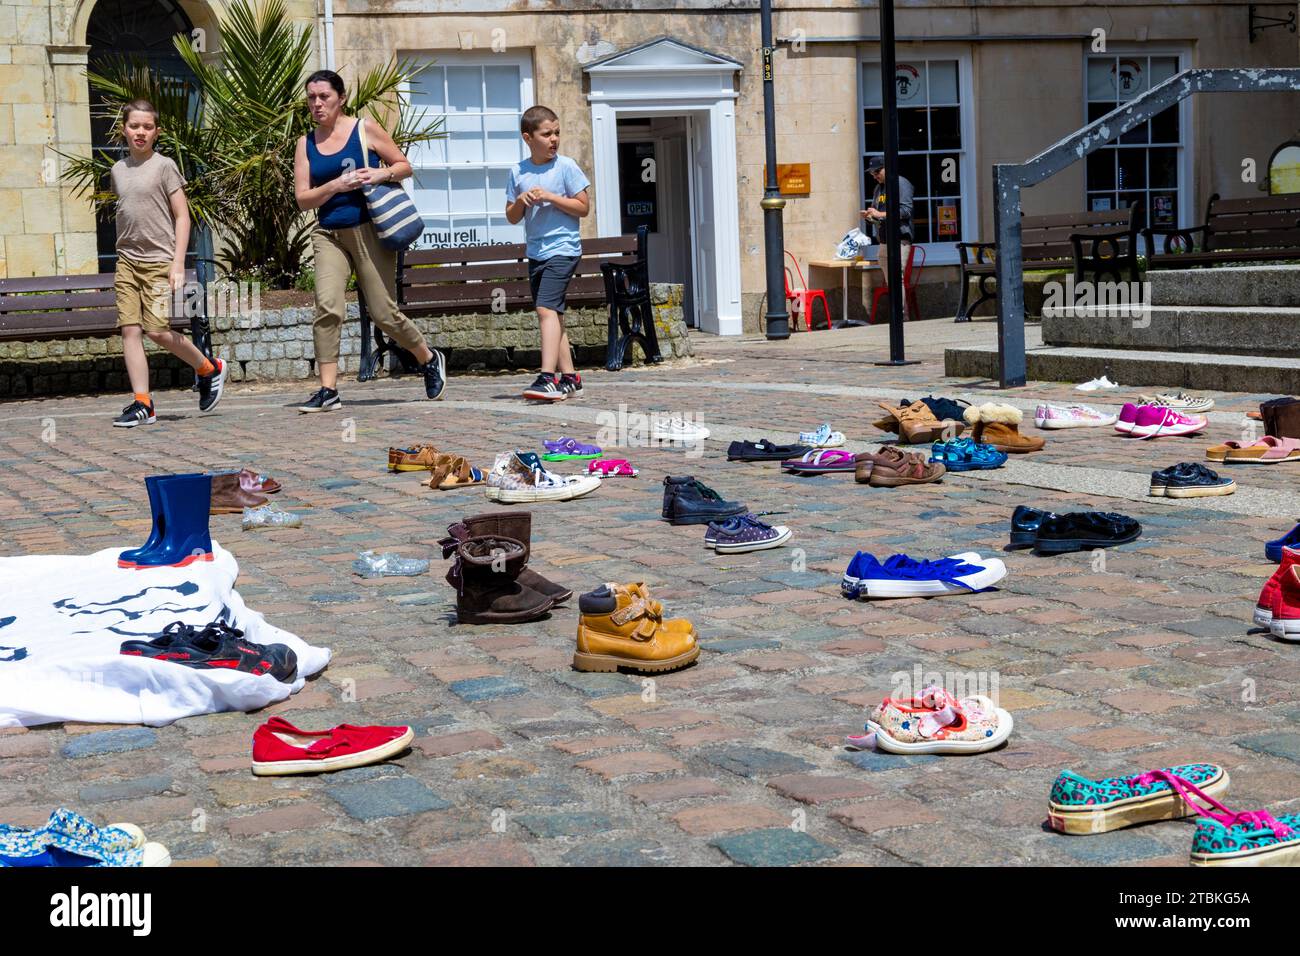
(339, 253)
(882, 257)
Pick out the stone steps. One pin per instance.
(1137, 368)
(1232, 286)
(1253, 330)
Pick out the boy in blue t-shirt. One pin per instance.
(549, 193)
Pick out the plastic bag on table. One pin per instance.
(370, 564)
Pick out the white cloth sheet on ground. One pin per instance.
(63, 619)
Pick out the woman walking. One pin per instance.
(330, 174)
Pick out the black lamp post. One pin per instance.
(777, 318)
(889, 100)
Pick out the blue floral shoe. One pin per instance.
(966, 454)
(70, 840)
(1079, 805)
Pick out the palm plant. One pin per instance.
(233, 133)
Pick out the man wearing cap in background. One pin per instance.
(876, 214)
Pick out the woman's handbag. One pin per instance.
(396, 220)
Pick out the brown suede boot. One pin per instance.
(229, 497)
(509, 524)
(487, 583)
(999, 426)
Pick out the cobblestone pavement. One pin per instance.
(1140, 662)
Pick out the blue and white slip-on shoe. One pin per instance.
(862, 563)
(902, 577)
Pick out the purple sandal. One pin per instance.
(569, 449)
(821, 461)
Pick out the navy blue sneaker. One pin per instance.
(687, 501)
(1193, 480)
(1273, 549)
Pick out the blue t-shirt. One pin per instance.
(551, 232)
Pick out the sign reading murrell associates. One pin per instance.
(459, 238)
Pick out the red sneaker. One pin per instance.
(1286, 605)
(1268, 596)
(281, 748)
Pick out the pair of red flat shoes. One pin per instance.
(280, 748)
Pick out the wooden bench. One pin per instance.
(1101, 243)
(65, 307)
(1262, 229)
(486, 279)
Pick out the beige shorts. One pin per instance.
(144, 296)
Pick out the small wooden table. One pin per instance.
(845, 268)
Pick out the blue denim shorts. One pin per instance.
(549, 281)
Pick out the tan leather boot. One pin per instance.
(999, 425)
(229, 496)
(917, 425)
(638, 589)
(617, 629)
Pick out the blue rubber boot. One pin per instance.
(185, 501)
(127, 559)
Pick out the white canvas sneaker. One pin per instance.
(1071, 416)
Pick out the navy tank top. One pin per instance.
(346, 209)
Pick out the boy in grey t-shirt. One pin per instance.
(153, 229)
(549, 193)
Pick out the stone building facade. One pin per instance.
(661, 103)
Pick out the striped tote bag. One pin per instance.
(392, 212)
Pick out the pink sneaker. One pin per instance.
(1127, 418)
(1153, 420)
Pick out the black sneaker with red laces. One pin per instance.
(216, 646)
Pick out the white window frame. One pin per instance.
(1186, 213)
(936, 253)
(451, 58)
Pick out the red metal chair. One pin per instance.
(803, 299)
(911, 275)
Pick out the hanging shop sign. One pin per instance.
(792, 179)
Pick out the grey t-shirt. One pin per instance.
(146, 231)
(905, 194)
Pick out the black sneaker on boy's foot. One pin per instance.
(325, 400)
(137, 413)
(435, 375)
(546, 389)
(211, 386)
(571, 385)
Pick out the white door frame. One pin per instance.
(683, 81)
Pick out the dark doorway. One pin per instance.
(140, 30)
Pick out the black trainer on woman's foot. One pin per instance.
(325, 400)
(137, 413)
(435, 375)
(546, 389)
